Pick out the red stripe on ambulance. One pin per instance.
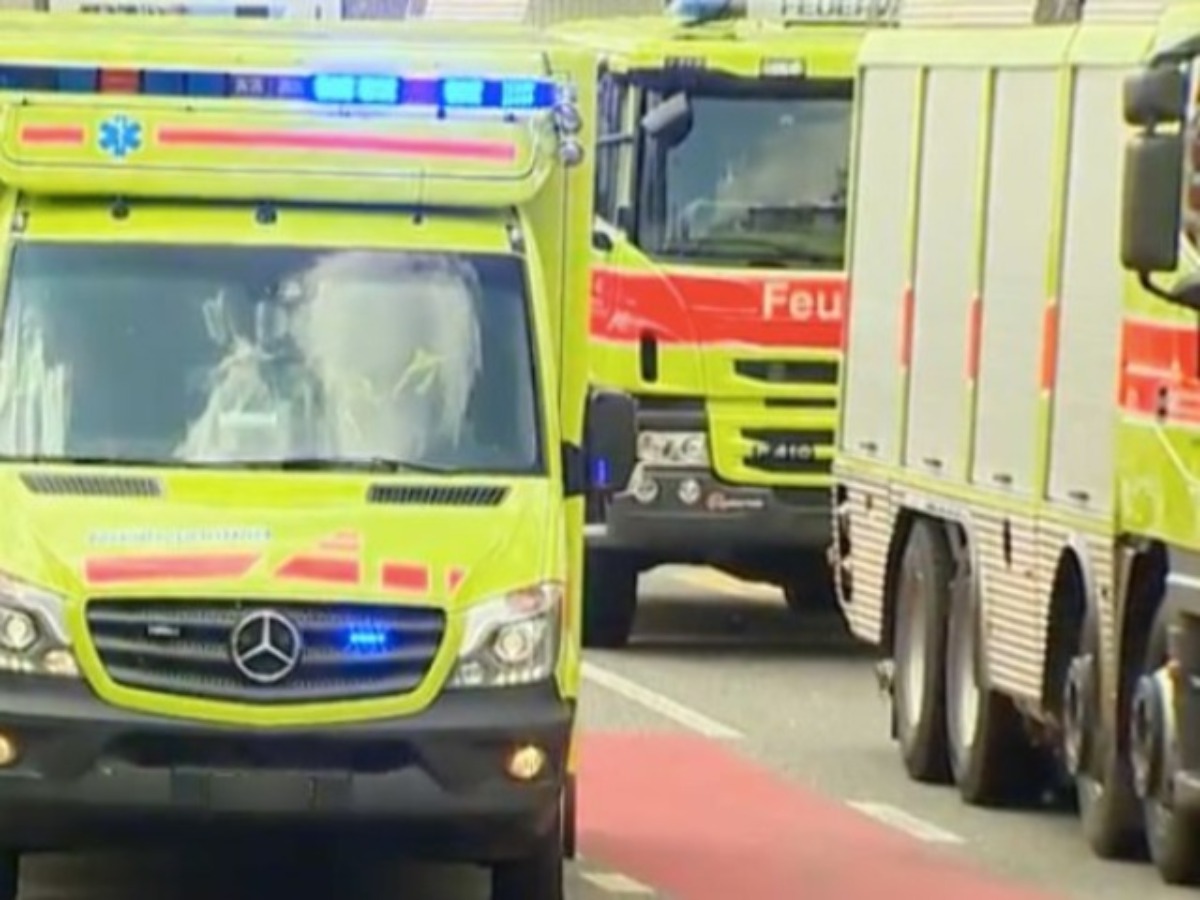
(327, 569)
(287, 139)
(408, 577)
(53, 134)
(168, 567)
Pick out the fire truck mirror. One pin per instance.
(1152, 203)
(610, 439)
(670, 121)
(1156, 96)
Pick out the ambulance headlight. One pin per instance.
(33, 631)
(511, 640)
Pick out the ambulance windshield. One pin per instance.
(759, 179)
(268, 356)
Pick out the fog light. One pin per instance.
(527, 763)
(60, 662)
(17, 631)
(646, 490)
(689, 491)
(8, 750)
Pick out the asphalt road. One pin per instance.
(733, 751)
(800, 699)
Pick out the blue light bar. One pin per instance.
(333, 88)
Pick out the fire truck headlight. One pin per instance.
(673, 448)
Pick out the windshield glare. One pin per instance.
(756, 181)
(167, 354)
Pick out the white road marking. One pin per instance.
(906, 822)
(615, 883)
(657, 703)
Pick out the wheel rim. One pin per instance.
(1078, 698)
(911, 649)
(963, 694)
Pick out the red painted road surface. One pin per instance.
(696, 821)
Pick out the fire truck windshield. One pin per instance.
(757, 180)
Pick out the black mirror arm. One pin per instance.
(1185, 293)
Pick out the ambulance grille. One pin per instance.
(185, 647)
(437, 495)
(75, 485)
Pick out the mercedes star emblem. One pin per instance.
(266, 646)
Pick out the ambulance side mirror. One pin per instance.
(1152, 203)
(610, 440)
(670, 121)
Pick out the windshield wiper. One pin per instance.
(292, 464)
(65, 460)
(356, 463)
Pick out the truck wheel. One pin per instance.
(987, 748)
(570, 822)
(609, 599)
(537, 876)
(812, 589)
(919, 698)
(10, 874)
(1108, 807)
(1172, 835)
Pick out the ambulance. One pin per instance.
(295, 435)
(1016, 474)
(718, 288)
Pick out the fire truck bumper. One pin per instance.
(688, 512)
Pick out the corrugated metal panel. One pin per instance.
(548, 12)
(1141, 11)
(534, 12)
(477, 10)
(380, 9)
(917, 13)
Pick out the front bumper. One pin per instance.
(725, 518)
(432, 784)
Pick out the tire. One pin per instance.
(1108, 807)
(570, 821)
(609, 599)
(10, 874)
(812, 590)
(536, 876)
(1172, 837)
(988, 753)
(919, 697)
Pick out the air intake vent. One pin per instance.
(91, 485)
(436, 495)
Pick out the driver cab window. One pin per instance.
(613, 95)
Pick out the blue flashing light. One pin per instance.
(463, 91)
(334, 88)
(504, 94)
(164, 83)
(600, 472)
(79, 81)
(518, 94)
(378, 89)
(207, 84)
(366, 639)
